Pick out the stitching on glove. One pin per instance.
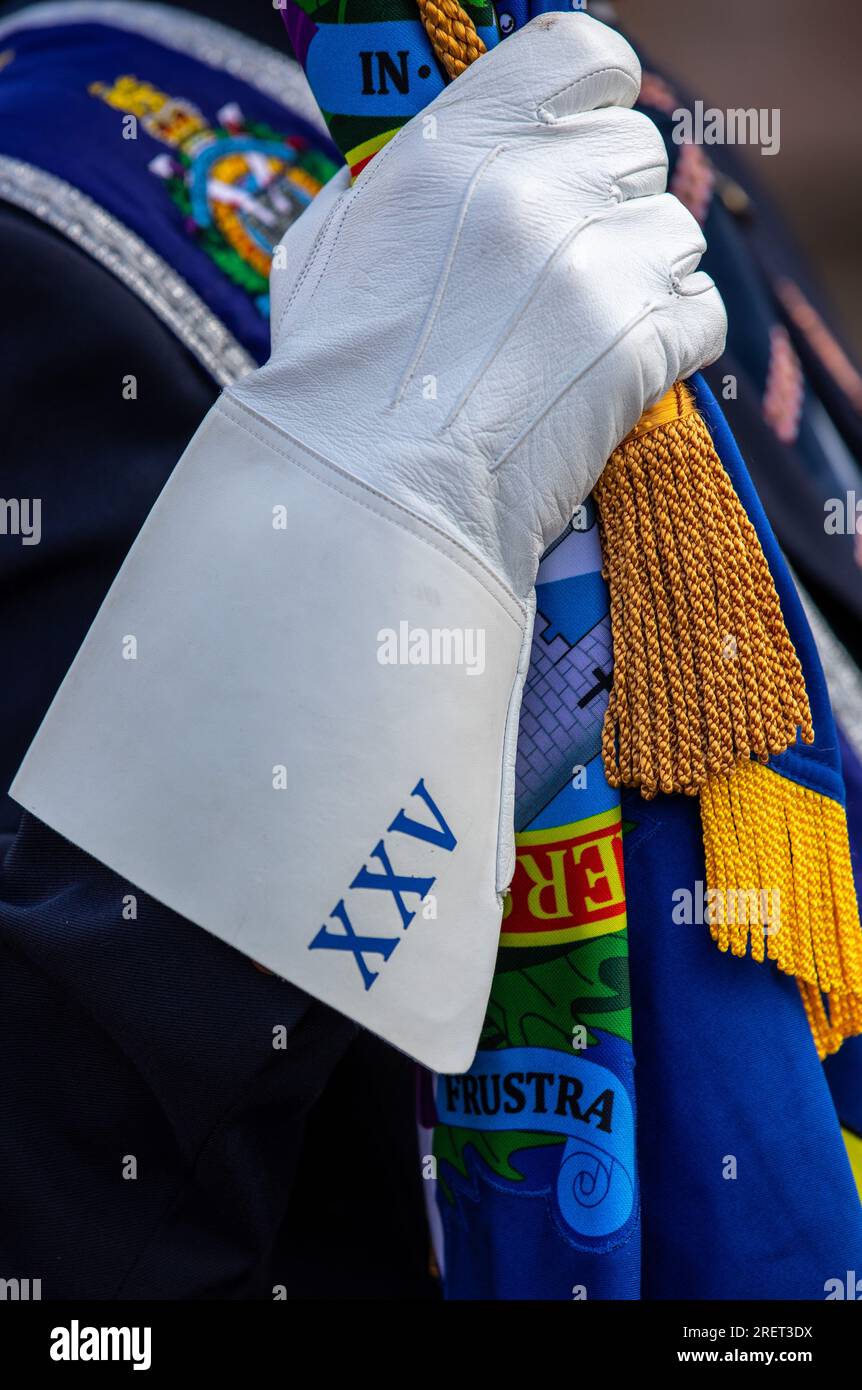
(227, 402)
(505, 865)
(309, 262)
(548, 118)
(440, 291)
(522, 308)
(644, 313)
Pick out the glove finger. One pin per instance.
(529, 208)
(700, 323)
(660, 233)
(640, 162)
(547, 74)
(615, 152)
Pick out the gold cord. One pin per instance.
(452, 33)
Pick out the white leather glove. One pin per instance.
(311, 753)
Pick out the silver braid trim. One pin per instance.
(131, 260)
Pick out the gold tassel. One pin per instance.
(705, 674)
(780, 883)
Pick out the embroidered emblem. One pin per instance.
(239, 184)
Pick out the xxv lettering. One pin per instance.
(398, 885)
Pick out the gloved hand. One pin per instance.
(308, 746)
(503, 290)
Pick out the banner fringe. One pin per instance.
(780, 885)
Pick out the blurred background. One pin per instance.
(802, 59)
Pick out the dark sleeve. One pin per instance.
(155, 1136)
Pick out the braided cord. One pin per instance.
(452, 33)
